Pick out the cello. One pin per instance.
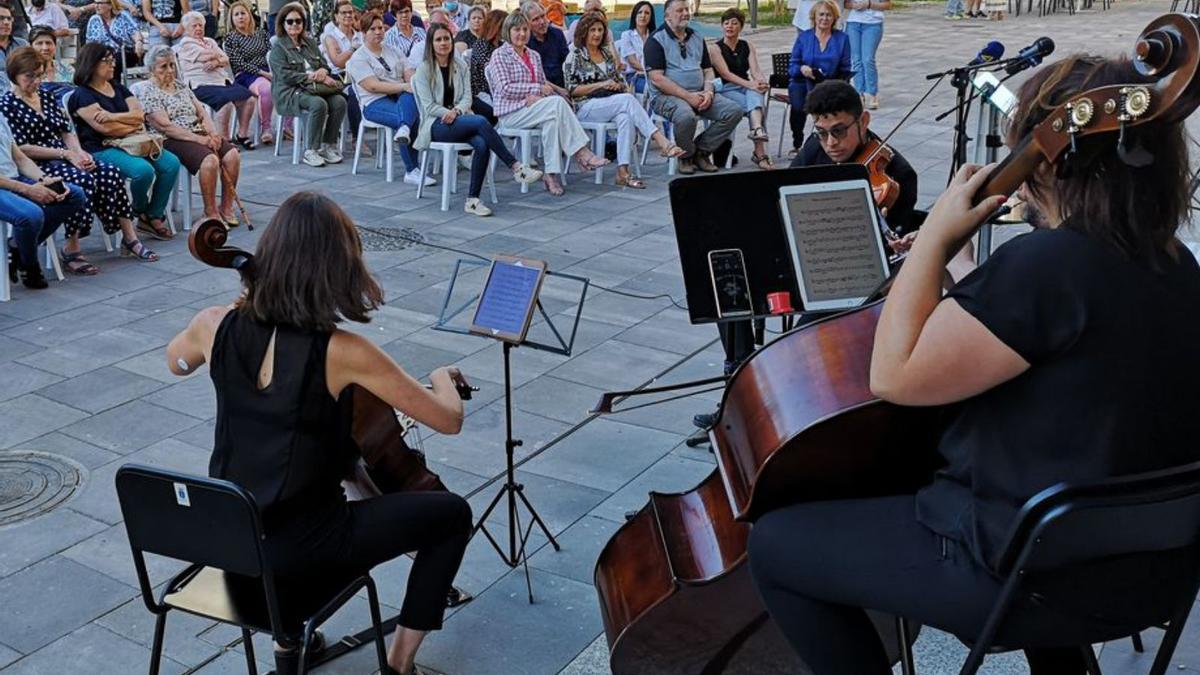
(387, 462)
(798, 422)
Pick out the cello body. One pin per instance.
(797, 423)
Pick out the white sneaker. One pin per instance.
(403, 135)
(476, 206)
(414, 178)
(523, 174)
(330, 154)
(313, 158)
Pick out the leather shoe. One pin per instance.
(686, 166)
(704, 163)
(704, 420)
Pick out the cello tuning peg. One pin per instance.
(1132, 154)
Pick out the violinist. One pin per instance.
(1069, 356)
(841, 128)
(283, 371)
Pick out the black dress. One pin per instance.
(290, 445)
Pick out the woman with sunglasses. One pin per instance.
(302, 85)
(104, 111)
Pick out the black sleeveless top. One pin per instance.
(738, 59)
(288, 444)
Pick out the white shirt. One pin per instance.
(801, 19)
(51, 15)
(364, 64)
(344, 42)
(631, 44)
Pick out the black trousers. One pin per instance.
(340, 543)
(817, 564)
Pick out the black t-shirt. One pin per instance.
(89, 138)
(1112, 348)
(447, 88)
(900, 216)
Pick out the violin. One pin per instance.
(876, 155)
(387, 463)
(798, 422)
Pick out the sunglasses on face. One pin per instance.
(838, 133)
(6, 19)
(293, 22)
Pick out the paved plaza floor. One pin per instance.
(83, 377)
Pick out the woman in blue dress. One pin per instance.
(819, 53)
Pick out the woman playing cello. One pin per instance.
(284, 375)
(1070, 355)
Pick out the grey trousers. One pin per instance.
(723, 113)
(325, 115)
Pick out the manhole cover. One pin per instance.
(34, 483)
(388, 238)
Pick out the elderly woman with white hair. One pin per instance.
(204, 67)
(523, 99)
(175, 111)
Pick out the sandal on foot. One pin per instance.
(553, 186)
(77, 264)
(763, 162)
(154, 227)
(671, 151)
(230, 220)
(266, 138)
(631, 181)
(594, 162)
(244, 142)
(138, 250)
(758, 134)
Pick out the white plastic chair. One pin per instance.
(298, 126)
(524, 139)
(599, 133)
(450, 171)
(384, 154)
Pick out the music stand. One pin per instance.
(504, 311)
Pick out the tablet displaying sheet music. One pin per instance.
(508, 298)
(837, 245)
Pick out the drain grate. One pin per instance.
(35, 483)
(389, 238)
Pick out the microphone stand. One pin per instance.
(960, 79)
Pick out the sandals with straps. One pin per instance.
(77, 264)
(138, 250)
(155, 227)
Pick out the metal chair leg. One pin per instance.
(156, 649)
(1089, 660)
(907, 665)
(376, 624)
(1137, 643)
(248, 642)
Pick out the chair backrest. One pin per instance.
(190, 518)
(1066, 525)
(779, 70)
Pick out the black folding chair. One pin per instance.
(779, 79)
(215, 525)
(1066, 528)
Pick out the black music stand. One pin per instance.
(504, 314)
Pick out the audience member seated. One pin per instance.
(338, 42)
(456, 12)
(301, 85)
(105, 113)
(405, 33)
(681, 88)
(247, 46)
(819, 53)
(163, 19)
(633, 42)
(444, 94)
(469, 35)
(393, 8)
(35, 204)
(481, 54)
(177, 113)
(114, 26)
(78, 12)
(840, 127)
(56, 75)
(523, 99)
(50, 15)
(383, 80)
(548, 41)
(438, 15)
(44, 134)
(736, 63)
(601, 95)
(204, 67)
(8, 42)
(590, 6)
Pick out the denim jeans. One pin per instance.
(33, 223)
(393, 112)
(864, 42)
(954, 7)
(152, 180)
(475, 130)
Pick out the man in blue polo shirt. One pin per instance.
(680, 84)
(548, 41)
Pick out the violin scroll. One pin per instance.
(207, 244)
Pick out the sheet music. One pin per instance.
(504, 305)
(836, 243)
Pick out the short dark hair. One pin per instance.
(290, 8)
(832, 97)
(1135, 209)
(87, 60)
(23, 60)
(633, 15)
(734, 13)
(41, 31)
(585, 25)
(308, 268)
(6, 5)
(367, 20)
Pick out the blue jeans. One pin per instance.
(476, 131)
(33, 223)
(393, 112)
(954, 7)
(864, 42)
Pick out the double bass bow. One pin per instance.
(798, 422)
(388, 464)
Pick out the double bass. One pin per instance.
(798, 422)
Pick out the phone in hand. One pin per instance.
(58, 187)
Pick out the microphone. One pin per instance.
(1031, 55)
(992, 52)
